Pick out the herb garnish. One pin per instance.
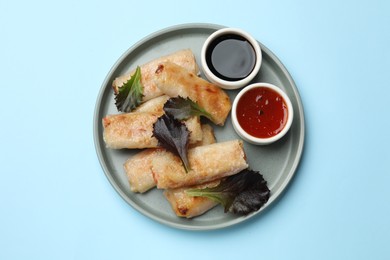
(242, 193)
(182, 108)
(130, 93)
(173, 135)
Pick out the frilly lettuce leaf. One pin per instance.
(242, 193)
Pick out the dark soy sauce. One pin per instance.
(231, 57)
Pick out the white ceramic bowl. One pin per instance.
(256, 140)
(230, 84)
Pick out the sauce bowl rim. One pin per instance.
(256, 140)
(226, 84)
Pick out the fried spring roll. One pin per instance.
(138, 168)
(184, 58)
(129, 130)
(208, 163)
(189, 206)
(208, 136)
(174, 80)
(156, 105)
(135, 130)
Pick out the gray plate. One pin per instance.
(277, 162)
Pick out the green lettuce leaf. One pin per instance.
(130, 93)
(242, 193)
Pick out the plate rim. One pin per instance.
(117, 188)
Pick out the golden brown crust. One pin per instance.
(135, 130)
(138, 168)
(195, 128)
(173, 80)
(207, 163)
(208, 136)
(154, 105)
(189, 206)
(183, 58)
(129, 130)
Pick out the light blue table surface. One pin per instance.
(55, 200)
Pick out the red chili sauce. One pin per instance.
(262, 112)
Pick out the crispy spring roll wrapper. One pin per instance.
(195, 127)
(129, 130)
(138, 168)
(135, 130)
(174, 80)
(208, 163)
(184, 58)
(188, 206)
(156, 106)
(208, 136)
